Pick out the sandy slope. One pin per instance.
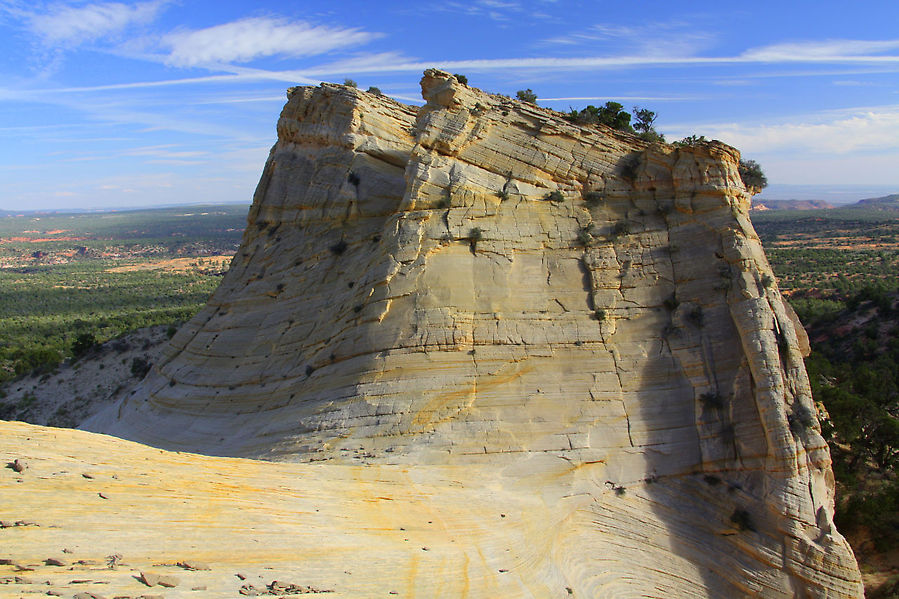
(78, 390)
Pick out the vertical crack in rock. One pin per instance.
(406, 238)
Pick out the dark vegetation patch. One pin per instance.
(838, 269)
(59, 296)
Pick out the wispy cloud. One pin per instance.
(256, 37)
(164, 151)
(675, 38)
(62, 24)
(854, 83)
(655, 45)
(496, 10)
(586, 62)
(825, 51)
(239, 75)
(240, 100)
(863, 129)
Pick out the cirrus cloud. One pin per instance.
(826, 51)
(838, 133)
(70, 25)
(256, 37)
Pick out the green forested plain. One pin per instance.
(98, 275)
(823, 258)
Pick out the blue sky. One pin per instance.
(126, 104)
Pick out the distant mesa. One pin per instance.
(762, 205)
(888, 203)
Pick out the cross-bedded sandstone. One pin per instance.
(481, 283)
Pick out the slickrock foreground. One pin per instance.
(472, 309)
(357, 531)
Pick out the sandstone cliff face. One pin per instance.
(480, 282)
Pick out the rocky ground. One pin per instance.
(78, 389)
(85, 515)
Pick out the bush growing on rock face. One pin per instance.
(554, 196)
(800, 419)
(585, 235)
(631, 167)
(526, 95)
(461, 78)
(350, 82)
(375, 90)
(644, 119)
(752, 175)
(620, 228)
(652, 136)
(691, 141)
(611, 114)
(644, 125)
(742, 519)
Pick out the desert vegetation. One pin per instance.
(838, 269)
(69, 281)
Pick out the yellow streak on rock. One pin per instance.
(428, 415)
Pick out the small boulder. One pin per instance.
(18, 465)
(149, 578)
(168, 581)
(52, 561)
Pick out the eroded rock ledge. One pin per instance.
(479, 281)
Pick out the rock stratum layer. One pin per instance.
(574, 323)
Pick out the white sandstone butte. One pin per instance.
(561, 343)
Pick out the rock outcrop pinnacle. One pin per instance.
(479, 282)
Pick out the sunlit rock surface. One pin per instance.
(520, 314)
